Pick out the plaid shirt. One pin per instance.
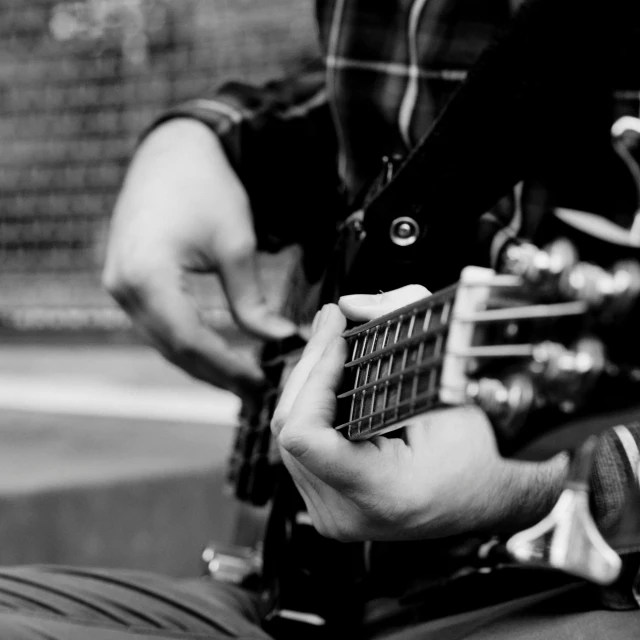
(387, 70)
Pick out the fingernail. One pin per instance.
(361, 299)
(321, 318)
(314, 324)
(278, 326)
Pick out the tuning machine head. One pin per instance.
(565, 376)
(507, 402)
(556, 273)
(555, 378)
(541, 269)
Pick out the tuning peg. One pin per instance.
(507, 402)
(540, 268)
(565, 376)
(568, 539)
(612, 293)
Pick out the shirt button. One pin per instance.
(404, 231)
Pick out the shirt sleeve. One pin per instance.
(280, 140)
(614, 483)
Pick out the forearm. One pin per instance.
(529, 492)
(280, 142)
(176, 152)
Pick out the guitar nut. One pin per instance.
(404, 231)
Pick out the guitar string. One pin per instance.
(428, 305)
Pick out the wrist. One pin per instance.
(177, 133)
(534, 489)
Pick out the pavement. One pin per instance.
(111, 457)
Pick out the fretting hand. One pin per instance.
(443, 477)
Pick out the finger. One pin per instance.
(328, 325)
(160, 304)
(363, 308)
(308, 434)
(247, 302)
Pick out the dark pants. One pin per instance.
(59, 603)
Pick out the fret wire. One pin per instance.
(386, 386)
(412, 325)
(403, 367)
(385, 340)
(361, 371)
(353, 357)
(375, 386)
(398, 328)
(397, 345)
(425, 396)
(427, 320)
(439, 345)
(358, 378)
(368, 374)
(446, 310)
(355, 349)
(426, 326)
(364, 343)
(433, 375)
(385, 400)
(352, 408)
(401, 372)
(373, 347)
(414, 389)
(420, 367)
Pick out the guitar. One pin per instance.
(533, 347)
(527, 346)
(545, 342)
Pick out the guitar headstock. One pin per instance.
(530, 347)
(573, 324)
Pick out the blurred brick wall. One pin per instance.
(78, 82)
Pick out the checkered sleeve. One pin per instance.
(280, 140)
(614, 486)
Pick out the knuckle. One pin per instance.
(111, 281)
(277, 422)
(180, 348)
(117, 286)
(125, 281)
(344, 536)
(338, 531)
(240, 248)
(291, 441)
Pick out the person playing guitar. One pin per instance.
(290, 163)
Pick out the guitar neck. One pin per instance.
(395, 366)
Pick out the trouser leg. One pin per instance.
(569, 615)
(64, 603)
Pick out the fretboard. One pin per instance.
(394, 367)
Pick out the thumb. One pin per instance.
(365, 307)
(247, 301)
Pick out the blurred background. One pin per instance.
(108, 456)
